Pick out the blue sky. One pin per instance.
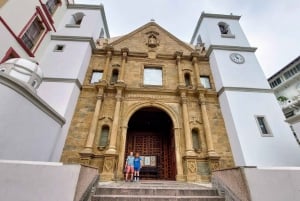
(271, 26)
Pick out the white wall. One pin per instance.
(27, 132)
(296, 127)
(38, 181)
(249, 147)
(90, 26)
(210, 33)
(273, 184)
(228, 74)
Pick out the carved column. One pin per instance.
(179, 176)
(187, 130)
(93, 127)
(122, 153)
(115, 124)
(107, 62)
(124, 60)
(195, 56)
(207, 128)
(178, 56)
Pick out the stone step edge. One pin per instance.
(153, 196)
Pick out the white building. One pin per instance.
(286, 86)
(254, 122)
(60, 37)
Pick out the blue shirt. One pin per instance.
(137, 162)
(130, 160)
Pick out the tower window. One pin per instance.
(187, 79)
(76, 20)
(263, 126)
(103, 140)
(51, 5)
(196, 141)
(225, 30)
(96, 76)
(205, 82)
(153, 76)
(33, 33)
(114, 76)
(59, 48)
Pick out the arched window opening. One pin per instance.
(103, 140)
(224, 28)
(196, 140)
(187, 79)
(114, 76)
(78, 18)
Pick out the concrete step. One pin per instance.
(155, 198)
(156, 191)
(140, 190)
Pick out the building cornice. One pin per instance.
(64, 80)
(92, 7)
(244, 89)
(229, 48)
(210, 15)
(27, 93)
(75, 38)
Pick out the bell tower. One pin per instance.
(255, 124)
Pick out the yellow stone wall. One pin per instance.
(133, 95)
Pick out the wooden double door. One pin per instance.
(157, 145)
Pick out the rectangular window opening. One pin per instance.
(263, 126)
(153, 76)
(59, 48)
(96, 76)
(205, 82)
(33, 33)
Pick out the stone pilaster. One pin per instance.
(93, 127)
(124, 52)
(207, 128)
(115, 125)
(109, 51)
(195, 56)
(190, 168)
(178, 56)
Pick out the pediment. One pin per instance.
(152, 37)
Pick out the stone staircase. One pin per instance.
(154, 190)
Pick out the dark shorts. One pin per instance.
(137, 168)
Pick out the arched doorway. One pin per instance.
(150, 132)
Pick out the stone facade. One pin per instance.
(111, 103)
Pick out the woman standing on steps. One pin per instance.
(137, 166)
(129, 166)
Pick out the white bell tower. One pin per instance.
(254, 121)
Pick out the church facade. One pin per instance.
(151, 93)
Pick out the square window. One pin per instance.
(153, 76)
(205, 82)
(263, 126)
(59, 48)
(96, 76)
(51, 5)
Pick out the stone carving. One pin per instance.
(108, 165)
(152, 39)
(192, 167)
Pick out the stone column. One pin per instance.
(115, 124)
(195, 56)
(178, 56)
(124, 60)
(122, 153)
(207, 128)
(107, 62)
(93, 127)
(187, 130)
(179, 176)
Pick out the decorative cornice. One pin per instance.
(244, 89)
(27, 93)
(75, 38)
(209, 15)
(65, 80)
(229, 48)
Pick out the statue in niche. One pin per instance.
(152, 41)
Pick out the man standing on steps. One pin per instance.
(129, 166)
